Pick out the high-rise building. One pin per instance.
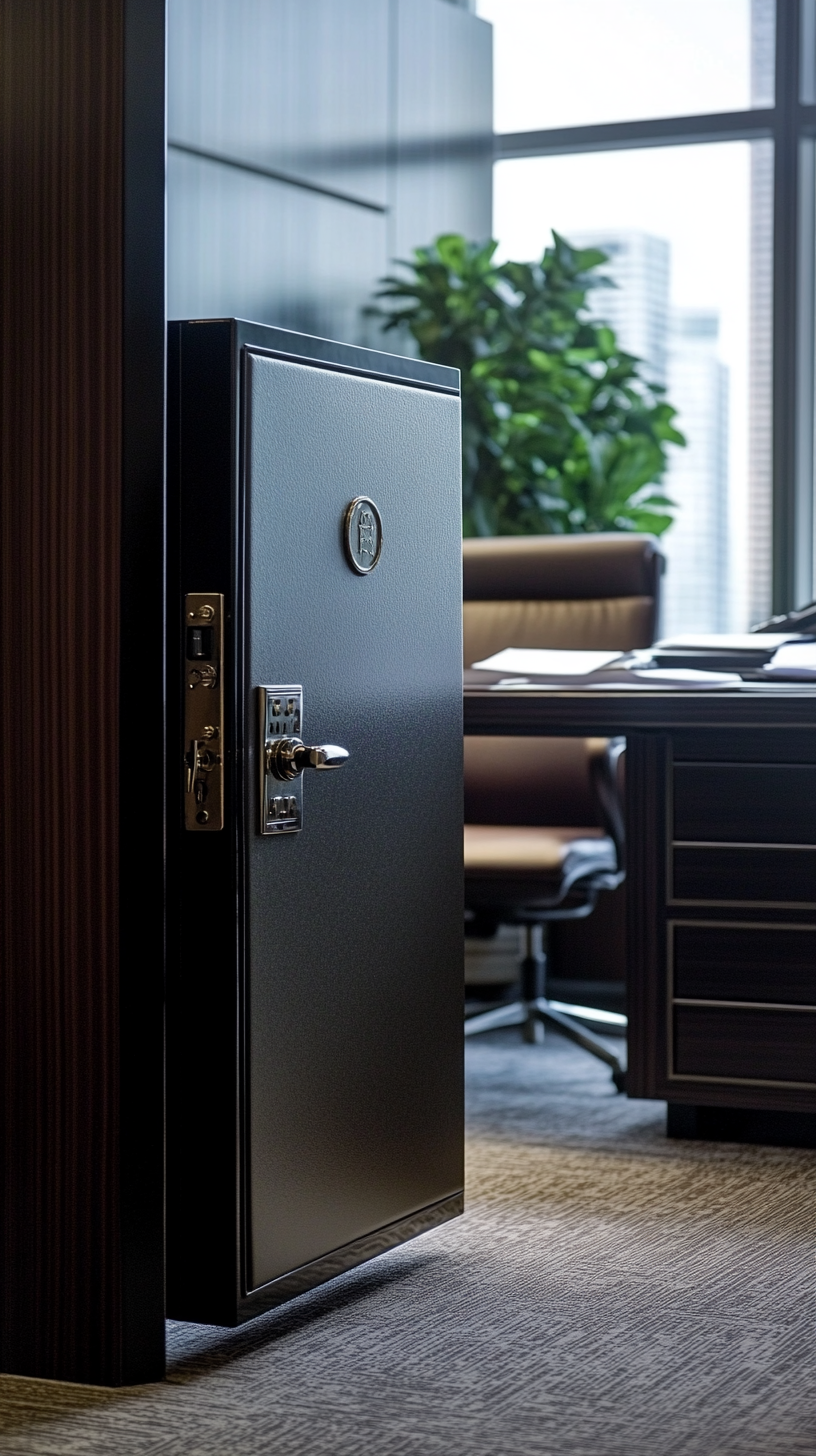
(696, 596)
(678, 350)
(637, 307)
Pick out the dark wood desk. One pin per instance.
(721, 884)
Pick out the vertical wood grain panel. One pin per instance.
(63, 191)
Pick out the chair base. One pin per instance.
(532, 1017)
(534, 1011)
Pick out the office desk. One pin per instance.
(721, 883)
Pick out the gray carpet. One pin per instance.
(608, 1293)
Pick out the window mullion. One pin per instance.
(792, 329)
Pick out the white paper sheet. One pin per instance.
(727, 641)
(544, 660)
(797, 660)
(660, 679)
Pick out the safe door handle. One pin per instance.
(286, 758)
(283, 757)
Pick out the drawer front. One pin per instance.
(728, 874)
(744, 745)
(745, 1045)
(748, 803)
(745, 963)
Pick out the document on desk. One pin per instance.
(727, 641)
(796, 662)
(528, 668)
(656, 679)
(542, 661)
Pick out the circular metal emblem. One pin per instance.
(362, 535)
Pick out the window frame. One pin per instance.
(791, 125)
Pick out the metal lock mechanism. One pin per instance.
(203, 711)
(284, 756)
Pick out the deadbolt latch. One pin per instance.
(284, 756)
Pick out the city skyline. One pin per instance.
(712, 202)
(678, 348)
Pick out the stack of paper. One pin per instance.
(796, 660)
(727, 641)
(544, 661)
(721, 651)
(527, 667)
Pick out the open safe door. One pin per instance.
(314, 1027)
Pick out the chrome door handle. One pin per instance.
(286, 758)
(283, 757)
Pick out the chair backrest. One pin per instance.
(560, 591)
(550, 591)
(531, 781)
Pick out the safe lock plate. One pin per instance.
(281, 712)
(203, 711)
(284, 758)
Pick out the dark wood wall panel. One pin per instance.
(65, 306)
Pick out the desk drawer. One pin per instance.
(748, 803)
(744, 963)
(724, 873)
(754, 1045)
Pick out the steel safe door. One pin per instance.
(347, 976)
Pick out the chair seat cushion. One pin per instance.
(520, 848)
(523, 864)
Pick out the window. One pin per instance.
(648, 128)
(565, 63)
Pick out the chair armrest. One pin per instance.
(604, 755)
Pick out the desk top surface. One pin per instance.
(606, 712)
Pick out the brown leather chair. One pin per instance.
(543, 818)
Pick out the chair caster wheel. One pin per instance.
(619, 1078)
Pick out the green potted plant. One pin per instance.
(561, 433)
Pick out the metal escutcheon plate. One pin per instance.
(362, 535)
(281, 716)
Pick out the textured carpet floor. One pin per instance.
(608, 1293)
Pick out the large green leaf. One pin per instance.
(562, 432)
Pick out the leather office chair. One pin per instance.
(544, 830)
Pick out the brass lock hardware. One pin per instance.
(203, 759)
(284, 756)
(199, 760)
